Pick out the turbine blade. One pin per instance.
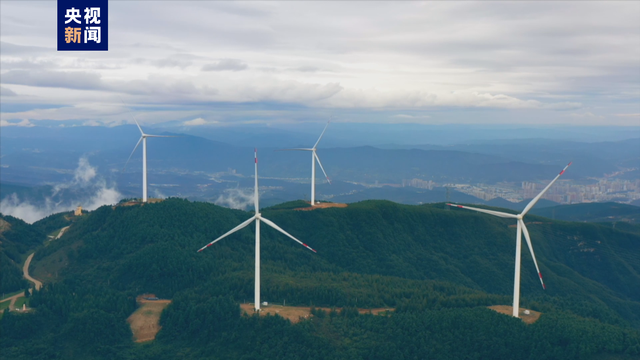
(139, 128)
(526, 236)
(256, 198)
(535, 199)
(491, 212)
(134, 150)
(134, 118)
(147, 135)
(239, 227)
(325, 129)
(270, 223)
(295, 149)
(319, 163)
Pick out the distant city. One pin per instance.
(563, 192)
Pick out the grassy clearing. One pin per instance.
(8, 295)
(530, 318)
(144, 322)
(21, 301)
(4, 305)
(54, 234)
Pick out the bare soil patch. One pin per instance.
(4, 226)
(139, 202)
(144, 322)
(297, 313)
(532, 317)
(322, 206)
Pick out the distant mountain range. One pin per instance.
(37, 155)
(37, 160)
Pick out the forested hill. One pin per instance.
(16, 239)
(439, 268)
(592, 212)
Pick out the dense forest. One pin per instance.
(438, 268)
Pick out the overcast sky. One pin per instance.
(202, 62)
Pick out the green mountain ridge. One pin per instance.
(592, 212)
(437, 267)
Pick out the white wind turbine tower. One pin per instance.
(314, 157)
(258, 218)
(143, 139)
(521, 228)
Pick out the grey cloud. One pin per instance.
(179, 60)
(226, 65)
(8, 49)
(6, 92)
(307, 69)
(28, 64)
(295, 92)
(63, 79)
(93, 81)
(171, 62)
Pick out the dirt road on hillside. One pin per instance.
(62, 232)
(25, 273)
(13, 300)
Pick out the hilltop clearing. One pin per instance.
(145, 320)
(322, 205)
(297, 313)
(527, 315)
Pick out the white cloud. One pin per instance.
(23, 123)
(198, 121)
(400, 55)
(6, 92)
(236, 198)
(91, 123)
(87, 189)
(586, 115)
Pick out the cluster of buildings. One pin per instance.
(563, 191)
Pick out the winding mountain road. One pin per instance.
(25, 273)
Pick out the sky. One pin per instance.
(220, 63)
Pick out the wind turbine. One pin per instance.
(314, 157)
(521, 228)
(258, 218)
(143, 139)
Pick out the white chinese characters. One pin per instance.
(73, 14)
(92, 33)
(92, 15)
